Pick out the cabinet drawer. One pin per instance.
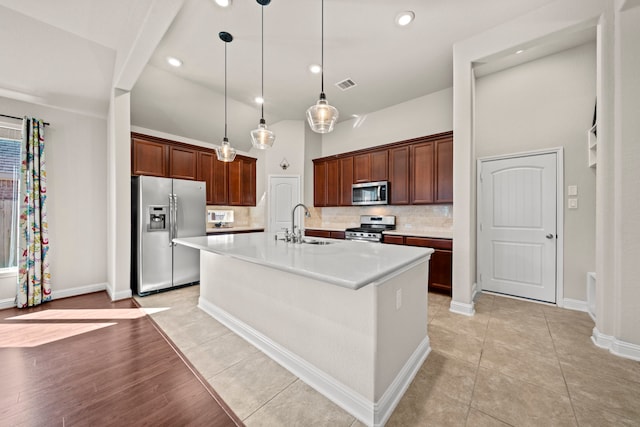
(394, 240)
(337, 234)
(317, 233)
(446, 244)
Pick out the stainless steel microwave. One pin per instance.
(370, 193)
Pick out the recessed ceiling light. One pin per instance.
(259, 100)
(315, 68)
(175, 62)
(404, 18)
(518, 52)
(223, 3)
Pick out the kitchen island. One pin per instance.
(348, 318)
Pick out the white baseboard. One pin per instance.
(616, 346)
(116, 296)
(462, 308)
(7, 303)
(575, 304)
(370, 413)
(81, 290)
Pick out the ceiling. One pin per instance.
(388, 63)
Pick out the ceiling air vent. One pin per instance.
(346, 84)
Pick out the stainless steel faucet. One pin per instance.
(297, 237)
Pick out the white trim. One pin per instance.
(81, 290)
(370, 413)
(118, 295)
(559, 152)
(575, 304)
(7, 303)
(462, 308)
(616, 346)
(9, 272)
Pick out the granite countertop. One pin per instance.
(232, 229)
(344, 263)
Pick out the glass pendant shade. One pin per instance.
(322, 116)
(225, 153)
(262, 137)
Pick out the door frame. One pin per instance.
(269, 213)
(559, 152)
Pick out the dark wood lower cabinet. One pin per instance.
(310, 232)
(440, 265)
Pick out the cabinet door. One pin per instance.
(333, 183)
(380, 165)
(220, 177)
(422, 173)
(248, 182)
(235, 182)
(362, 168)
(205, 172)
(346, 181)
(148, 158)
(440, 271)
(320, 183)
(399, 176)
(444, 171)
(182, 163)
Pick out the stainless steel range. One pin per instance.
(371, 228)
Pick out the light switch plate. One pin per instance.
(573, 204)
(572, 190)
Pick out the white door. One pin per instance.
(284, 194)
(517, 229)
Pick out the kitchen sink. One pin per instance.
(316, 242)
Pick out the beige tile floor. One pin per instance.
(514, 363)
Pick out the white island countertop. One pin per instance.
(344, 263)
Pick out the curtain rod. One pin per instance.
(20, 118)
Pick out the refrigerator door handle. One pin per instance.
(170, 229)
(175, 217)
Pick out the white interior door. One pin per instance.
(284, 194)
(517, 226)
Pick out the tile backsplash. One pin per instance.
(423, 218)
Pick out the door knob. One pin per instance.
(549, 236)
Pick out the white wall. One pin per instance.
(76, 150)
(542, 104)
(421, 116)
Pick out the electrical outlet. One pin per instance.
(398, 299)
(572, 190)
(573, 203)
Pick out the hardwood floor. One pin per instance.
(100, 369)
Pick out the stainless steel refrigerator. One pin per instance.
(161, 210)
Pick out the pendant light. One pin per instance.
(225, 153)
(262, 137)
(322, 116)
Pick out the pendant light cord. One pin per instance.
(262, 53)
(225, 90)
(322, 48)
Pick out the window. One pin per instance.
(10, 142)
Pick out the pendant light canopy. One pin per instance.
(225, 153)
(262, 137)
(322, 116)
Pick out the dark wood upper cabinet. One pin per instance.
(183, 163)
(419, 171)
(227, 183)
(333, 183)
(444, 171)
(148, 158)
(319, 183)
(214, 173)
(242, 178)
(371, 167)
(362, 168)
(346, 181)
(421, 174)
(399, 175)
(380, 165)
